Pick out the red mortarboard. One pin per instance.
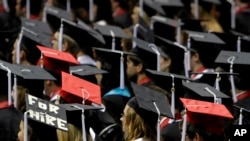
(81, 88)
(55, 60)
(206, 114)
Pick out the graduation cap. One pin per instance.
(150, 105)
(83, 35)
(172, 83)
(53, 16)
(235, 62)
(76, 114)
(243, 41)
(175, 51)
(204, 114)
(149, 54)
(117, 59)
(81, 88)
(24, 72)
(27, 41)
(86, 72)
(203, 91)
(207, 45)
(142, 31)
(171, 7)
(170, 25)
(36, 25)
(242, 110)
(115, 32)
(150, 8)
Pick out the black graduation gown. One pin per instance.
(242, 22)
(9, 123)
(171, 132)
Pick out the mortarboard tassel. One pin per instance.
(25, 136)
(179, 32)
(173, 97)
(212, 93)
(141, 8)
(154, 48)
(122, 85)
(231, 61)
(239, 44)
(241, 117)
(158, 122)
(196, 9)
(188, 57)
(68, 6)
(113, 39)
(20, 37)
(135, 30)
(60, 40)
(15, 91)
(91, 14)
(232, 13)
(9, 82)
(217, 81)
(184, 126)
(44, 19)
(6, 6)
(28, 9)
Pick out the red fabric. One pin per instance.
(242, 9)
(4, 105)
(201, 69)
(81, 88)
(2, 9)
(166, 120)
(119, 12)
(244, 95)
(34, 17)
(144, 80)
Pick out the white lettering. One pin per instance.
(32, 100)
(50, 120)
(62, 124)
(42, 106)
(53, 108)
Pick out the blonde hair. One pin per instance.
(73, 134)
(137, 127)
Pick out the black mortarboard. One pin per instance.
(143, 31)
(113, 35)
(74, 112)
(86, 72)
(151, 8)
(242, 111)
(241, 43)
(170, 82)
(175, 52)
(171, 7)
(192, 25)
(148, 53)
(36, 25)
(54, 16)
(116, 59)
(145, 98)
(207, 45)
(149, 105)
(202, 91)
(171, 26)
(85, 37)
(30, 39)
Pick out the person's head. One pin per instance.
(21, 91)
(23, 52)
(134, 67)
(135, 16)
(69, 44)
(134, 126)
(116, 4)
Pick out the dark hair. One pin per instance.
(206, 136)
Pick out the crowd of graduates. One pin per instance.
(124, 70)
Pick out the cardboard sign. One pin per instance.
(46, 112)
